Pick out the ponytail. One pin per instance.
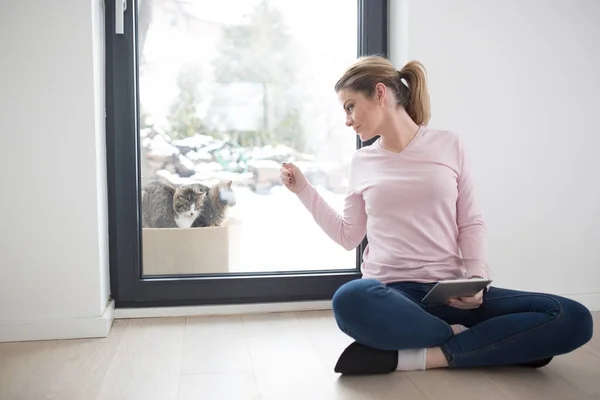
(417, 104)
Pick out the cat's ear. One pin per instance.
(228, 184)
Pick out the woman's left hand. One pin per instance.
(470, 302)
(467, 303)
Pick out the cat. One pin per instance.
(166, 205)
(218, 201)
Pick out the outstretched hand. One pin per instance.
(293, 178)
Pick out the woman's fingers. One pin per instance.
(287, 177)
(292, 177)
(469, 300)
(287, 180)
(477, 299)
(456, 303)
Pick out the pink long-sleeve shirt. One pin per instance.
(416, 207)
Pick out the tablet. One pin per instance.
(453, 289)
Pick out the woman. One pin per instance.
(411, 192)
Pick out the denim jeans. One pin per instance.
(510, 327)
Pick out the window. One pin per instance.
(207, 99)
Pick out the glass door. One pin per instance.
(205, 101)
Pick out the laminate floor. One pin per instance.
(284, 356)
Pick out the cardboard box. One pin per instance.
(176, 251)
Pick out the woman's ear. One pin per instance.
(380, 93)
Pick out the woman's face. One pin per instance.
(364, 115)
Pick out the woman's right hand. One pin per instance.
(293, 178)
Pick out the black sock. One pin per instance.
(358, 359)
(537, 364)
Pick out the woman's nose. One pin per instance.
(348, 122)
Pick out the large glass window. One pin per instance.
(228, 91)
(205, 101)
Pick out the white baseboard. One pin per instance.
(591, 301)
(234, 309)
(54, 329)
(80, 328)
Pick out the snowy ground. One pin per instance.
(279, 234)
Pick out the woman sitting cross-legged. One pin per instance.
(411, 193)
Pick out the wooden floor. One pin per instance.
(275, 356)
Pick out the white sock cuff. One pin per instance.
(412, 360)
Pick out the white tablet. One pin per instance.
(453, 289)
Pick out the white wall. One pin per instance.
(519, 80)
(98, 38)
(54, 264)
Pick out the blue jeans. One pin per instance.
(509, 328)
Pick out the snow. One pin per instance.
(279, 234)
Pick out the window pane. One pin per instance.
(228, 91)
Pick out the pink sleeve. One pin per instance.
(348, 229)
(471, 226)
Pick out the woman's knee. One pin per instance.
(581, 319)
(354, 296)
(576, 322)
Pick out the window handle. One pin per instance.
(120, 7)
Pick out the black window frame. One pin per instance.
(129, 288)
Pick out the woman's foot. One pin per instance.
(537, 364)
(358, 359)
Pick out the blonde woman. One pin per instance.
(411, 192)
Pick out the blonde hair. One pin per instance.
(413, 96)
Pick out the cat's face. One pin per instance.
(188, 200)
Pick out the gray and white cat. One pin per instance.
(166, 205)
(218, 201)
